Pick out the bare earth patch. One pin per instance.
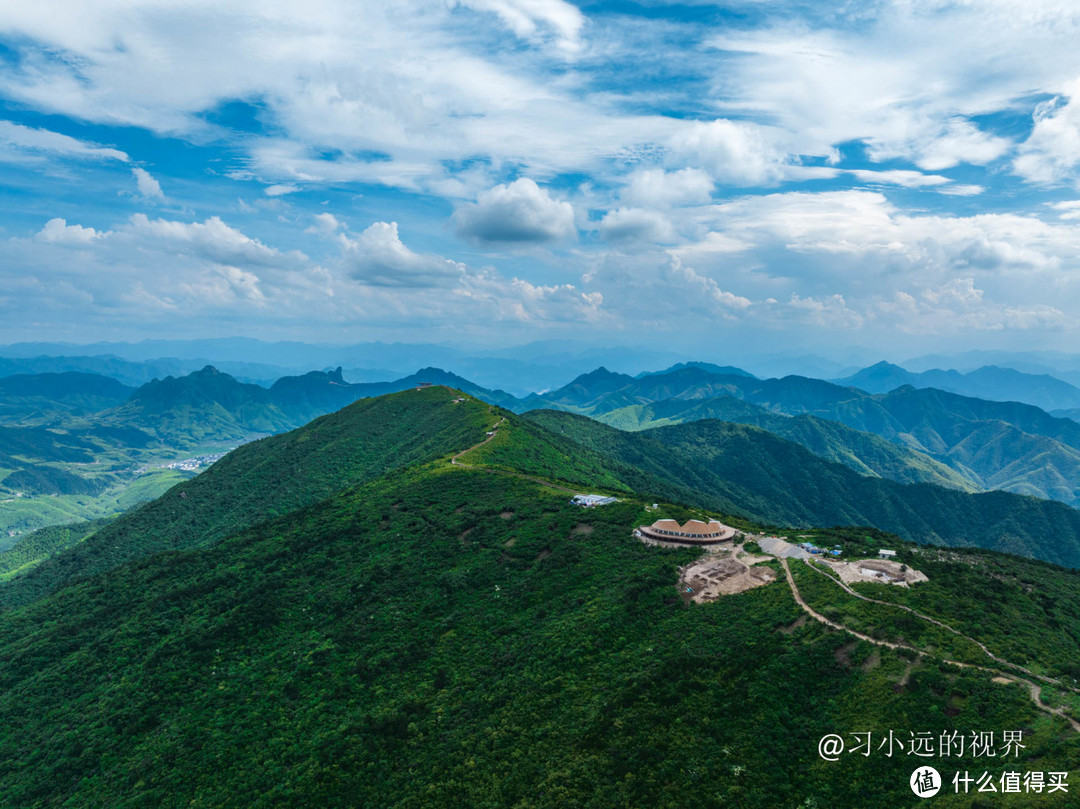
(878, 570)
(582, 528)
(872, 662)
(506, 515)
(720, 574)
(843, 654)
(800, 621)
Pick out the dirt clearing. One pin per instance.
(877, 570)
(718, 575)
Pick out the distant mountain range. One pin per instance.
(987, 382)
(906, 435)
(736, 469)
(991, 445)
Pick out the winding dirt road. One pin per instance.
(1034, 689)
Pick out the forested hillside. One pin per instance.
(460, 637)
(750, 472)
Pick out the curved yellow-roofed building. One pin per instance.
(693, 532)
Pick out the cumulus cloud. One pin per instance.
(829, 311)
(957, 306)
(517, 212)
(378, 257)
(635, 224)
(732, 152)
(443, 289)
(161, 273)
(655, 188)
(934, 144)
(146, 271)
(212, 240)
(864, 224)
(527, 303)
(147, 185)
(58, 231)
(324, 223)
(704, 290)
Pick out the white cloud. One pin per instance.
(162, 274)
(58, 231)
(1051, 153)
(527, 18)
(961, 190)
(863, 225)
(831, 312)
(324, 223)
(732, 152)
(517, 212)
(378, 257)
(280, 189)
(901, 177)
(147, 185)
(704, 291)
(20, 143)
(211, 240)
(653, 188)
(959, 306)
(428, 286)
(635, 224)
(934, 144)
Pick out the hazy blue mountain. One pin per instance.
(988, 382)
(135, 373)
(522, 369)
(711, 367)
(602, 391)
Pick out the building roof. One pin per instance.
(666, 525)
(690, 527)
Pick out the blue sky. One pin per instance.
(899, 175)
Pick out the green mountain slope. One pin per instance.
(748, 471)
(34, 397)
(457, 637)
(273, 476)
(203, 406)
(993, 445)
(35, 547)
(866, 453)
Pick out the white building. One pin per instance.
(590, 500)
